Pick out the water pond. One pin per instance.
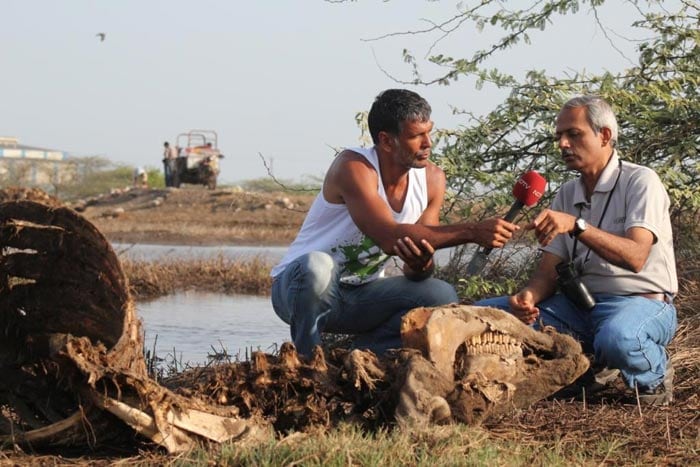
(149, 252)
(187, 327)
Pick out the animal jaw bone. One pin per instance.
(481, 332)
(493, 343)
(490, 360)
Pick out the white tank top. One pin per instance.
(328, 227)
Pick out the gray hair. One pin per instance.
(394, 107)
(598, 113)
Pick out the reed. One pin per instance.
(149, 280)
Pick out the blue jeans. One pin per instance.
(168, 170)
(309, 297)
(625, 332)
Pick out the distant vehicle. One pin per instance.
(198, 158)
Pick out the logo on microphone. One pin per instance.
(529, 188)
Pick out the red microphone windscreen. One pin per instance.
(529, 188)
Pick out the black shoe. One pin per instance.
(662, 394)
(603, 379)
(591, 382)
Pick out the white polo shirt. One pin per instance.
(639, 200)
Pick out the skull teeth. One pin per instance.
(494, 343)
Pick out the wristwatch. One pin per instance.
(580, 226)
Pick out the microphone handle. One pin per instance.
(510, 215)
(478, 261)
(514, 210)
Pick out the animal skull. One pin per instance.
(483, 360)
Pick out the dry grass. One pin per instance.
(605, 429)
(195, 233)
(149, 280)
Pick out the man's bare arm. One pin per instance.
(541, 285)
(629, 252)
(418, 259)
(353, 181)
(418, 263)
(543, 282)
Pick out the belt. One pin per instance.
(662, 297)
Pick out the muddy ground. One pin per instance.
(194, 215)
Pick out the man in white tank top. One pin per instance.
(375, 203)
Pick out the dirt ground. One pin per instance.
(197, 216)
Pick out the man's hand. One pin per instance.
(418, 259)
(548, 224)
(523, 306)
(494, 233)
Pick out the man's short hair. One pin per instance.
(599, 114)
(392, 108)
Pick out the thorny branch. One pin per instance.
(268, 169)
(518, 22)
(604, 30)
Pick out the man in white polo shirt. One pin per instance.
(607, 243)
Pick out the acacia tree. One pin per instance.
(656, 101)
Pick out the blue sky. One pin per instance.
(283, 79)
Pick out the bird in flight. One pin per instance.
(102, 36)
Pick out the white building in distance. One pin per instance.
(22, 165)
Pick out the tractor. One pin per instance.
(198, 157)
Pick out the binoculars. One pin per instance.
(569, 282)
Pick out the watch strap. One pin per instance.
(577, 229)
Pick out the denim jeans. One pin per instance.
(309, 297)
(625, 332)
(168, 171)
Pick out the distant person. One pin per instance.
(610, 232)
(374, 203)
(170, 154)
(140, 178)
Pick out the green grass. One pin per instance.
(434, 446)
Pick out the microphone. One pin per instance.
(527, 191)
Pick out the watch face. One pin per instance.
(581, 224)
